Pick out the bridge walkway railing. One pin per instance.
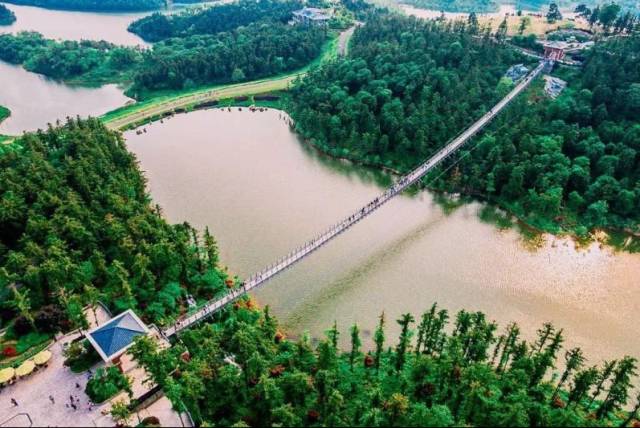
(336, 229)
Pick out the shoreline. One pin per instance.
(595, 235)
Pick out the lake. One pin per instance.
(71, 25)
(262, 192)
(35, 100)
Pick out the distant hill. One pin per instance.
(94, 5)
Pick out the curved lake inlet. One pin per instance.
(71, 25)
(35, 100)
(262, 192)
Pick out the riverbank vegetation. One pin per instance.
(95, 5)
(241, 371)
(90, 62)
(7, 17)
(564, 165)
(77, 226)
(225, 44)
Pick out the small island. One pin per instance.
(4, 113)
(7, 17)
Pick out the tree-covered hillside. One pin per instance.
(569, 164)
(213, 20)
(76, 226)
(240, 371)
(7, 17)
(249, 52)
(407, 87)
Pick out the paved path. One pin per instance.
(342, 226)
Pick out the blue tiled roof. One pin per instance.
(118, 333)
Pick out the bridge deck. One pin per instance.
(312, 245)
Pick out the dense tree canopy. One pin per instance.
(97, 5)
(256, 50)
(389, 102)
(4, 113)
(76, 225)
(213, 20)
(240, 371)
(7, 17)
(564, 164)
(91, 60)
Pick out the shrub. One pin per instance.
(107, 383)
(30, 340)
(9, 351)
(22, 326)
(150, 421)
(49, 319)
(80, 356)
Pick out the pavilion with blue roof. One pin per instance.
(113, 338)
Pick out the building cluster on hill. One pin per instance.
(312, 16)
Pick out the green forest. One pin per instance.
(7, 17)
(257, 50)
(247, 53)
(77, 227)
(213, 20)
(94, 5)
(241, 371)
(230, 43)
(89, 61)
(568, 164)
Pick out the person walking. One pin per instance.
(14, 402)
(53, 401)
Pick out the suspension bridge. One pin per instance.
(345, 224)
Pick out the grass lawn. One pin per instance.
(159, 102)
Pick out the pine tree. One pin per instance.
(582, 383)
(404, 340)
(379, 339)
(356, 343)
(573, 361)
(211, 247)
(620, 384)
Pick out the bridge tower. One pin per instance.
(554, 51)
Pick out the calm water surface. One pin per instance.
(70, 25)
(35, 100)
(262, 192)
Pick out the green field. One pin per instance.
(160, 102)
